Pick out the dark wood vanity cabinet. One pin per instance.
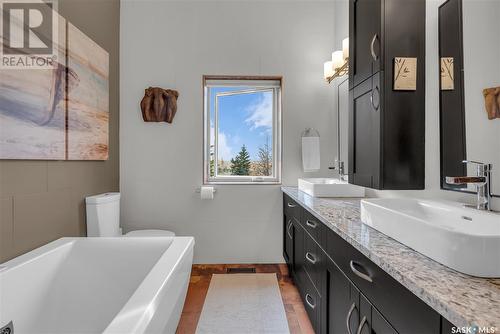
(386, 126)
(341, 287)
(365, 20)
(364, 133)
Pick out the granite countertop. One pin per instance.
(462, 299)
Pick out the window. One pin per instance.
(242, 120)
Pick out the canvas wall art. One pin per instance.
(60, 113)
(33, 109)
(88, 101)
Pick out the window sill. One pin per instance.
(276, 183)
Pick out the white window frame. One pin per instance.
(257, 84)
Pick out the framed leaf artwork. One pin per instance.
(405, 73)
(447, 74)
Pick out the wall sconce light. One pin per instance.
(328, 70)
(339, 65)
(345, 48)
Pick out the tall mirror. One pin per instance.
(469, 52)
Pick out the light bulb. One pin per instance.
(337, 60)
(345, 48)
(328, 69)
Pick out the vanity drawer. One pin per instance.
(312, 303)
(292, 208)
(314, 261)
(314, 227)
(383, 290)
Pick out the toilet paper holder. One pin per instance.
(198, 190)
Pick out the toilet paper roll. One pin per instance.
(207, 192)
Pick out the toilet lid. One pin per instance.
(150, 233)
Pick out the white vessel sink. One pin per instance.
(461, 238)
(323, 187)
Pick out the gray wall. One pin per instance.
(43, 200)
(481, 70)
(171, 44)
(432, 162)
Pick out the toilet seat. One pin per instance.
(150, 233)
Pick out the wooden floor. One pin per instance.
(298, 322)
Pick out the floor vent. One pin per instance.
(240, 270)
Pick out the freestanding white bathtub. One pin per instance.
(97, 285)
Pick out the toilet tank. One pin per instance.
(103, 215)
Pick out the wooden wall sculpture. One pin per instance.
(492, 102)
(159, 105)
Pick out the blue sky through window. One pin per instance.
(244, 119)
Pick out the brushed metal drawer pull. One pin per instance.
(289, 228)
(311, 224)
(311, 305)
(290, 205)
(359, 273)
(311, 258)
(348, 319)
(362, 324)
(372, 47)
(372, 98)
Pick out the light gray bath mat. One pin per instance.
(243, 303)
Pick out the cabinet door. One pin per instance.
(289, 231)
(380, 325)
(371, 321)
(365, 316)
(364, 133)
(365, 39)
(342, 310)
(299, 255)
(353, 317)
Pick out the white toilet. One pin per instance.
(103, 218)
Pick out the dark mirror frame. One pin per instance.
(452, 102)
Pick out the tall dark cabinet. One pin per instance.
(386, 126)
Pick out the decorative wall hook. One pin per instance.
(159, 105)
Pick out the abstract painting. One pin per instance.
(33, 110)
(88, 99)
(60, 113)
